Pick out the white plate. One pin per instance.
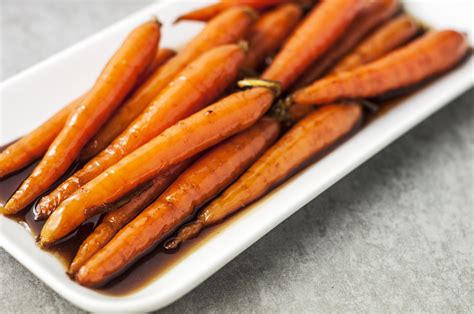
(30, 97)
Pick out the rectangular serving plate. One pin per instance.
(31, 96)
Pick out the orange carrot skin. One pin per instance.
(371, 15)
(162, 56)
(312, 135)
(270, 32)
(183, 140)
(113, 84)
(432, 54)
(316, 33)
(236, 22)
(203, 180)
(197, 85)
(33, 145)
(390, 36)
(209, 12)
(126, 113)
(113, 221)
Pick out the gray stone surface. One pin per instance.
(395, 235)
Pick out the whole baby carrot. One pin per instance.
(113, 221)
(372, 14)
(183, 140)
(269, 33)
(208, 12)
(209, 175)
(113, 84)
(389, 36)
(432, 54)
(314, 134)
(228, 27)
(317, 32)
(195, 87)
(33, 145)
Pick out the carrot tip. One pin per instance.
(155, 19)
(274, 86)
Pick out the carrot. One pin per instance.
(270, 32)
(195, 87)
(432, 54)
(317, 32)
(208, 12)
(372, 14)
(228, 27)
(390, 36)
(162, 56)
(305, 140)
(33, 145)
(200, 182)
(113, 84)
(113, 221)
(126, 113)
(183, 140)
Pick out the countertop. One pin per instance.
(394, 235)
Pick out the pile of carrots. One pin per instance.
(162, 135)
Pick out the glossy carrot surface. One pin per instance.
(113, 221)
(228, 27)
(195, 87)
(125, 114)
(113, 84)
(270, 32)
(203, 180)
(35, 144)
(206, 13)
(183, 140)
(390, 36)
(325, 23)
(311, 136)
(432, 54)
(371, 15)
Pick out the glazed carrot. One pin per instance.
(270, 32)
(317, 32)
(209, 175)
(114, 220)
(372, 14)
(390, 36)
(125, 114)
(311, 136)
(228, 27)
(208, 12)
(195, 87)
(161, 57)
(432, 54)
(113, 84)
(183, 140)
(33, 145)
